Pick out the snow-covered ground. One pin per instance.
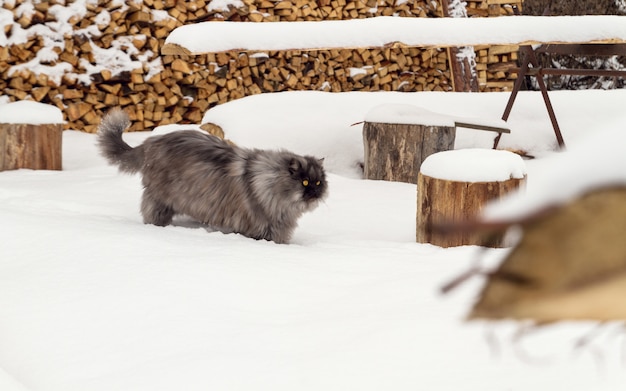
(93, 299)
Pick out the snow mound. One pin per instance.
(474, 165)
(29, 112)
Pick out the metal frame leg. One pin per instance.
(530, 58)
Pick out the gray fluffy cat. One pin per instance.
(258, 193)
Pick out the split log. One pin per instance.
(395, 152)
(37, 147)
(570, 264)
(452, 188)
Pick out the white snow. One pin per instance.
(358, 71)
(92, 299)
(457, 9)
(407, 114)
(328, 124)
(29, 112)
(400, 113)
(385, 30)
(594, 162)
(474, 165)
(223, 5)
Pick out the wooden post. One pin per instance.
(462, 59)
(444, 201)
(395, 152)
(34, 146)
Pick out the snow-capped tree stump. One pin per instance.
(30, 136)
(453, 186)
(394, 150)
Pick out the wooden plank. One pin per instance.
(477, 126)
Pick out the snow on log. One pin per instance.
(452, 188)
(388, 31)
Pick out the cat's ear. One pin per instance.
(321, 161)
(294, 166)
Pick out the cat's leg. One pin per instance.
(154, 211)
(280, 234)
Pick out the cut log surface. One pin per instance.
(36, 147)
(443, 200)
(395, 152)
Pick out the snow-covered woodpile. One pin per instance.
(87, 56)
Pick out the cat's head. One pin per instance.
(309, 177)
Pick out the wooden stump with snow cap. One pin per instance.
(452, 188)
(30, 136)
(397, 138)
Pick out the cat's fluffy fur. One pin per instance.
(258, 193)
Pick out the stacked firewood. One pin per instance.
(494, 63)
(108, 54)
(486, 8)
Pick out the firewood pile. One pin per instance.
(87, 60)
(493, 63)
(484, 8)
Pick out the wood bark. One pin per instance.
(37, 147)
(443, 203)
(395, 152)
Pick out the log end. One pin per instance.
(176, 50)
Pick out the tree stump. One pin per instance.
(395, 152)
(34, 146)
(452, 188)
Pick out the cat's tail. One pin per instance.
(113, 147)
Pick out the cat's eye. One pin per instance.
(318, 183)
(305, 182)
